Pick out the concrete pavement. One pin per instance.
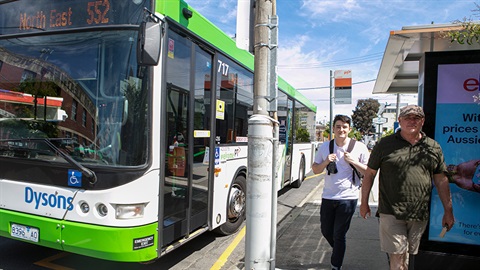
(300, 244)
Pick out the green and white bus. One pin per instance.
(123, 126)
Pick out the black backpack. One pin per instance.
(349, 149)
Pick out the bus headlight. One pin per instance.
(129, 211)
(84, 207)
(102, 210)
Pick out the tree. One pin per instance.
(326, 132)
(37, 88)
(354, 133)
(303, 135)
(364, 113)
(388, 132)
(470, 31)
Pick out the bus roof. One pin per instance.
(205, 29)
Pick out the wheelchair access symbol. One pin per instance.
(217, 156)
(74, 178)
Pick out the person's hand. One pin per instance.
(332, 158)
(365, 210)
(348, 158)
(448, 220)
(462, 175)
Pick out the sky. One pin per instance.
(316, 36)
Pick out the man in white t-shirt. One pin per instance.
(342, 185)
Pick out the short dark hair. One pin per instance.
(342, 118)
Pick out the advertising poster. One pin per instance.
(457, 129)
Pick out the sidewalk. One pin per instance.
(300, 244)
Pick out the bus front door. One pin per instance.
(185, 191)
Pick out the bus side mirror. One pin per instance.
(149, 43)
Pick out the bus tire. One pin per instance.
(236, 207)
(301, 173)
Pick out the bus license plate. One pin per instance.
(25, 232)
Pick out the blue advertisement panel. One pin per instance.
(457, 129)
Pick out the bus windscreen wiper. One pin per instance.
(90, 175)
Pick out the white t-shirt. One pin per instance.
(340, 186)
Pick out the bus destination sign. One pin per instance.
(25, 16)
(97, 13)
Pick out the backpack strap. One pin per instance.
(355, 172)
(351, 144)
(330, 146)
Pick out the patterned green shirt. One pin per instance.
(406, 175)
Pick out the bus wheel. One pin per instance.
(301, 174)
(236, 207)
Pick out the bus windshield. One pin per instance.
(82, 91)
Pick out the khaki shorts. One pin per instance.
(400, 236)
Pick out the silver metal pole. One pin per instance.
(259, 192)
(273, 88)
(397, 110)
(332, 98)
(258, 254)
(274, 199)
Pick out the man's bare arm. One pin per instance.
(318, 168)
(443, 188)
(367, 184)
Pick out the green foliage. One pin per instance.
(470, 32)
(39, 88)
(326, 132)
(388, 132)
(29, 129)
(354, 133)
(303, 135)
(364, 113)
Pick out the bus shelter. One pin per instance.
(422, 60)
